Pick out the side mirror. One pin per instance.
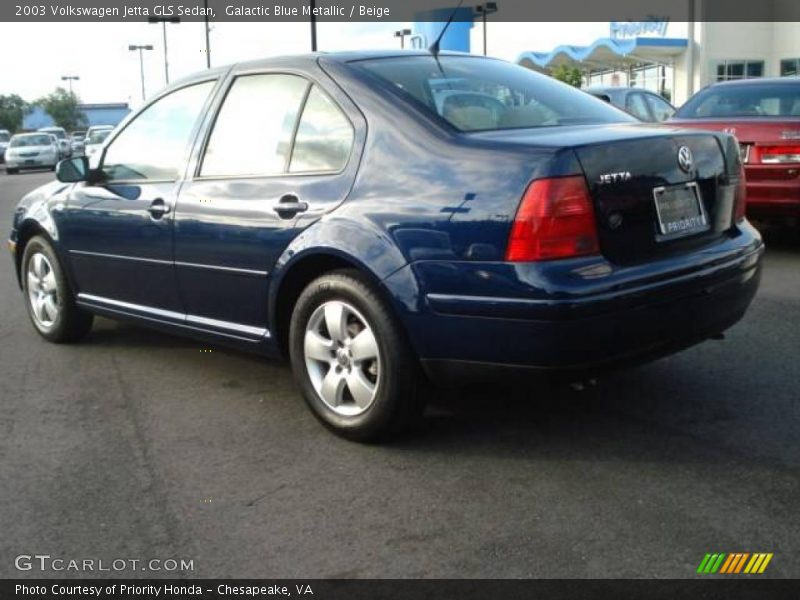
(73, 169)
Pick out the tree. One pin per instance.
(12, 110)
(567, 74)
(62, 106)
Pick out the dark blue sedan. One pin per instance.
(390, 220)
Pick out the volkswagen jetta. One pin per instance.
(386, 220)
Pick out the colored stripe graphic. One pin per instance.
(735, 563)
(764, 564)
(703, 563)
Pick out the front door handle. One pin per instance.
(158, 208)
(289, 205)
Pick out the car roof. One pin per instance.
(309, 59)
(617, 89)
(758, 80)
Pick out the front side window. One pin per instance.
(154, 145)
(324, 136)
(475, 94)
(253, 131)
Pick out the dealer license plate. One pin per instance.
(680, 210)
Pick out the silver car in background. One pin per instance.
(76, 139)
(32, 151)
(95, 138)
(5, 136)
(64, 145)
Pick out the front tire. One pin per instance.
(48, 297)
(354, 366)
(10, 171)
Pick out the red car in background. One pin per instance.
(764, 115)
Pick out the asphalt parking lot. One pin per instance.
(135, 444)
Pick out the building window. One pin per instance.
(739, 69)
(790, 67)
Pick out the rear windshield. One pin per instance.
(746, 100)
(96, 137)
(59, 133)
(30, 140)
(475, 94)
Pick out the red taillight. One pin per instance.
(779, 154)
(555, 220)
(740, 196)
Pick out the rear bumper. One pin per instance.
(466, 338)
(771, 192)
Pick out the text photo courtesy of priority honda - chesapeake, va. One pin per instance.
(400, 300)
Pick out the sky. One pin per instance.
(98, 52)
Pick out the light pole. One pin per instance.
(164, 21)
(313, 6)
(70, 79)
(402, 33)
(134, 48)
(208, 38)
(483, 10)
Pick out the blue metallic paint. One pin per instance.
(426, 212)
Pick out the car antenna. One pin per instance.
(434, 47)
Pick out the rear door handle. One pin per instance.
(289, 205)
(158, 208)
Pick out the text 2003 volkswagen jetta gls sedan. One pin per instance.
(385, 220)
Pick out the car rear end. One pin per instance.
(628, 258)
(764, 115)
(582, 247)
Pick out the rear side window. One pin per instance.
(636, 106)
(662, 110)
(475, 94)
(745, 100)
(253, 131)
(324, 136)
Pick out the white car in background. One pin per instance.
(32, 151)
(95, 137)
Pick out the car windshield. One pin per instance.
(476, 94)
(30, 140)
(59, 133)
(97, 137)
(4, 137)
(745, 100)
(78, 135)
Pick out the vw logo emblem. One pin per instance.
(685, 160)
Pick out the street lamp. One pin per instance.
(312, 12)
(483, 10)
(164, 21)
(70, 79)
(402, 33)
(208, 37)
(134, 48)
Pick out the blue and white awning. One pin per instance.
(608, 53)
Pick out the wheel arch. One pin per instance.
(326, 247)
(26, 230)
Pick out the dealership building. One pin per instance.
(677, 59)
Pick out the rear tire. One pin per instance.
(48, 297)
(351, 359)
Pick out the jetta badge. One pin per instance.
(615, 177)
(685, 160)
